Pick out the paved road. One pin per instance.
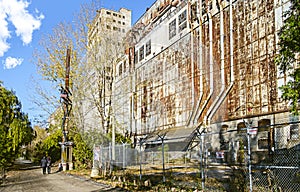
(32, 180)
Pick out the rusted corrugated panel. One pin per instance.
(253, 92)
(164, 88)
(196, 75)
(224, 107)
(255, 70)
(205, 67)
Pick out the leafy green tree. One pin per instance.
(46, 142)
(289, 48)
(36, 149)
(51, 145)
(82, 152)
(15, 128)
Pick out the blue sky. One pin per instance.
(23, 22)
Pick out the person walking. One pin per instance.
(48, 164)
(44, 164)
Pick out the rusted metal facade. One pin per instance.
(212, 72)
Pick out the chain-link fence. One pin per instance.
(262, 158)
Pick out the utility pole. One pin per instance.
(66, 146)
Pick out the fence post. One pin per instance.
(110, 158)
(200, 135)
(163, 155)
(124, 156)
(103, 163)
(248, 125)
(152, 154)
(95, 168)
(185, 163)
(141, 159)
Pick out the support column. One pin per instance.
(96, 156)
(70, 159)
(63, 157)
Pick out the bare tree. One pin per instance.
(50, 60)
(105, 51)
(93, 60)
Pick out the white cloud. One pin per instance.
(11, 62)
(4, 33)
(25, 23)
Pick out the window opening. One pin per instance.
(182, 21)
(141, 53)
(148, 48)
(172, 29)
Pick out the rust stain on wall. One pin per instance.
(178, 85)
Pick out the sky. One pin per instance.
(22, 25)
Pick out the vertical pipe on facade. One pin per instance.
(131, 104)
(164, 81)
(192, 61)
(231, 59)
(231, 43)
(222, 69)
(135, 100)
(211, 65)
(195, 110)
(132, 116)
(131, 90)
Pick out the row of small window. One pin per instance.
(115, 14)
(119, 22)
(115, 21)
(263, 125)
(115, 28)
(182, 24)
(145, 50)
(141, 53)
(262, 143)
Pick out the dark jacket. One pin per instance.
(44, 162)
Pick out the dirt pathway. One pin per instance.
(32, 180)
